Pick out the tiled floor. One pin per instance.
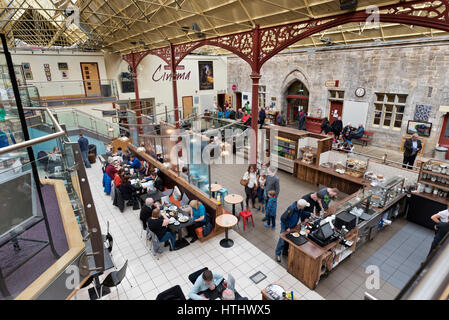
(148, 276)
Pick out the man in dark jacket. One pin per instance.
(302, 120)
(412, 147)
(262, 116)
(358, 133)
(84, 147)
(146, 211)
(289, 220)
(337, 126)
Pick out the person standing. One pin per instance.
(239, 114)
(289, 220)
(271, 209)
(250, 188)
(302, 120)
(337, 127)
(325, 126)
(412, 147)
(84, 147)
(262, 116)
(271, 183)
(246, 107)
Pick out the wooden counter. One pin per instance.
(309, 261)
(328, 177)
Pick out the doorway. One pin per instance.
(297, 96)
(335, 111)
(238, 100)
(221, 100)
(91, 79)
(187, 106)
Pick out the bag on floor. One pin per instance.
(136, 204)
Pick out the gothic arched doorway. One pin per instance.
(297, 95)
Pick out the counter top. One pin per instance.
(310, 248)
(332, 172)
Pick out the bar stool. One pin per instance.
(246, 215)
(223, 192)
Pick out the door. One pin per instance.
(335, 111)
(220, 100)
(238, 100)
(187, 106)
(444, 135)
(91, 79)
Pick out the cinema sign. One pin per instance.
(160, 75)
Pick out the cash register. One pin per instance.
(323, 234)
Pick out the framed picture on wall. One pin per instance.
(422, 128)
(63, 66)
(206, 75)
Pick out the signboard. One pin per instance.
(332, 83)
(234, 87)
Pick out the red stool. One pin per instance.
(245, 215)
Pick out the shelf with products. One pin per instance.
(433, 178)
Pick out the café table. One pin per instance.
(234, 199)
(226, 221)
(180, 242)
(215, 188)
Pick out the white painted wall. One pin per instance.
(58, 86)
(151, 85)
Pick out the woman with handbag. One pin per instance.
(249, 180)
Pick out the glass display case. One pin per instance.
(386, 192)
(356, 167)
(359, 206)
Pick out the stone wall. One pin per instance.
(409, 68)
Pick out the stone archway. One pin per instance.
(294, 78)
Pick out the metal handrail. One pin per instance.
(24, 144)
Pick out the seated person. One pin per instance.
(239, 114)
(119, 177)
(206, 281)
(228, 294)
(219, 113)
(119, 152)
(127, 190)
(146, 212)
(158, 182)
(198, 213)
(110, 168)
(227, 113)
(245, 117)
(345, 145)
(54, 160)
(357, 134)
(185, 173)
(134, 163)
(158, 224)
(347, 132)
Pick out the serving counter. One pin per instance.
(309, 261)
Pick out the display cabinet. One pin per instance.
(286, 151)
(356, 167)
(433, 178)
(385, 193)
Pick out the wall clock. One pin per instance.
(360, 92)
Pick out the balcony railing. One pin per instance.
(76, 91)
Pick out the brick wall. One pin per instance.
(403, 69)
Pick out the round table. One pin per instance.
(215, 188)
(226, 221)
(234, 199)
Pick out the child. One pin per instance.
(270, 209)
(260, 198)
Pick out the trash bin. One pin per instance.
(440, 153)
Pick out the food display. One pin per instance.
(307, 155)
(356, 168)
(386, 192)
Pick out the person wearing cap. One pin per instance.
(289, 220)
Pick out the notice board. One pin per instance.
(355, 112)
